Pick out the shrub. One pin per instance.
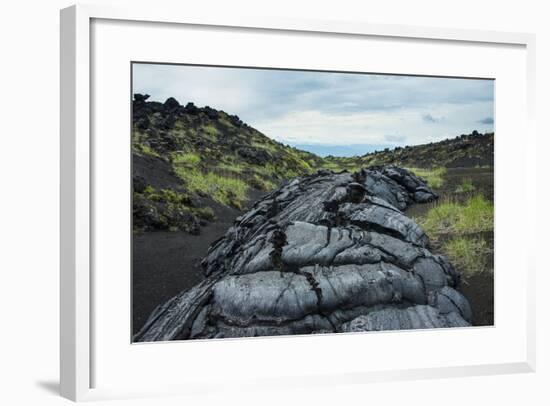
(205, 213)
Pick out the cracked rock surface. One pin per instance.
(331, 252)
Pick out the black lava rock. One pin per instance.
(324, 253)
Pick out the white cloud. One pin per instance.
(329, 108)
(404, 126)
(231, 91)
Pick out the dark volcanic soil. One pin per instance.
(156, 171)
(166, 263)
(479, 290)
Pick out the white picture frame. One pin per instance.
(78, 354)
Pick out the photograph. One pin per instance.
(276, 202)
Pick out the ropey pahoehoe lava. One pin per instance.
(328, 252)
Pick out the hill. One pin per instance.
(467, 150)
(189, 160)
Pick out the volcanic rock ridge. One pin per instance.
(324, 253)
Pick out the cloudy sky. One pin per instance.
(337, 113)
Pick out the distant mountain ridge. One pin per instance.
(467, 150)
(350, 150)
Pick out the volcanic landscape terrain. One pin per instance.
(235, 234)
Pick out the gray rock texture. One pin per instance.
(331, 252)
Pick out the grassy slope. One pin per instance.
(213, 154)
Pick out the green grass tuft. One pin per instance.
(224, 190)
(166, 196)
(143, 149)
(231, 166)
(190, 158)
(264, 145)
(205, 213)
(475, 215)
(210, 130)
(465, 187)
(469, 254)
(264, 185)
(433, 176)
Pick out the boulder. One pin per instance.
(190, 108)
(254, 156)
(171, 105)
(139, 98)
(211, 113)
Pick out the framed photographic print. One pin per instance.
(309, 188)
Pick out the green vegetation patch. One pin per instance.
(167, 209)
(231, 166)
(264, 145)
(224, 120)
(264, 185)
(339, 164)
(205, 213)
(476, 215)
(274, 171)
(469, 254)
(458, 227)
(189, 158)
(225, 190)
(140, 144)
(210, 130)
(433, 176)
(144, 150)
(166, 196)
(465, 187)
